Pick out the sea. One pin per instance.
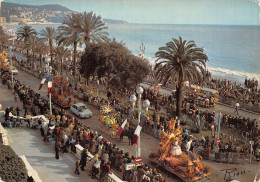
(233, 50)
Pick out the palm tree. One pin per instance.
(32, 44)
(92, 27)
(180, 61)
(48, 35)
(3, 38)
(24, 33)
(41, 48)
(70, 34)
(61, 52)
(82, 27)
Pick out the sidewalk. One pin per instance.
(41, 156)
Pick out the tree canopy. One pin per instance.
(180, 60)
(3, 38)
(115, 62)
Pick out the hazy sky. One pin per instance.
(238, 12)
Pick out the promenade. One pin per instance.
(44, 151)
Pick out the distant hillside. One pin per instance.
(44, 13)
(52, 7)
(114, 21)
(30, 13)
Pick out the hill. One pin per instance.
(42, 14)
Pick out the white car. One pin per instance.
(81, 110)
(14, 70)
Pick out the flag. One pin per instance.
(43, 80)
(49, 84)
(120, 129)
(134, 139)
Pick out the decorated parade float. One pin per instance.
(108, 119)
(61, 92)
(3, 61)
(186, 166)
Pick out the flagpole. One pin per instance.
(50, 104)
(139, 114)
(48, 67)
(219, 120)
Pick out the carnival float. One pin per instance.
(61, 92)
(186, 166)
(108, 119)
(3, 61)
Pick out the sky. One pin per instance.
(224, 12)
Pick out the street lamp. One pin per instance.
(146, 104)
(11, 54)
(49, 70)
(97, 86)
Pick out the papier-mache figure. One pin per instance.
(176, 149)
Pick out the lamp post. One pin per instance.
(11, 54)
(97, 86)
(146, 104)
(251, 149)
(49, 70)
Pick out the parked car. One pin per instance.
(81, 110)
(14, 70)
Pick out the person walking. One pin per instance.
(17, 111)
(237, 107)
(25, 111)
(83, 160)
(57, 149)
(77, 167)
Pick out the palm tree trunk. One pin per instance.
(179, 98)
(74, 58)
(50, 43)
(32, 58)
(27, 53)
(41, 60)
(61, 62)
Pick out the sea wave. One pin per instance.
(223, 73)
(239, 76)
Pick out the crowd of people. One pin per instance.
(68, 132)
(155, 124)
(236, 92)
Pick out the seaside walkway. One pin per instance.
(41, 156)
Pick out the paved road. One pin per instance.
(149, 143)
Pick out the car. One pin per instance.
(14, 70)
(81, 110)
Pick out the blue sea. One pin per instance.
(233, 51)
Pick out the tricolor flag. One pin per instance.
(49, 84)
(43, 80)
(120, 130)
(134, 139)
